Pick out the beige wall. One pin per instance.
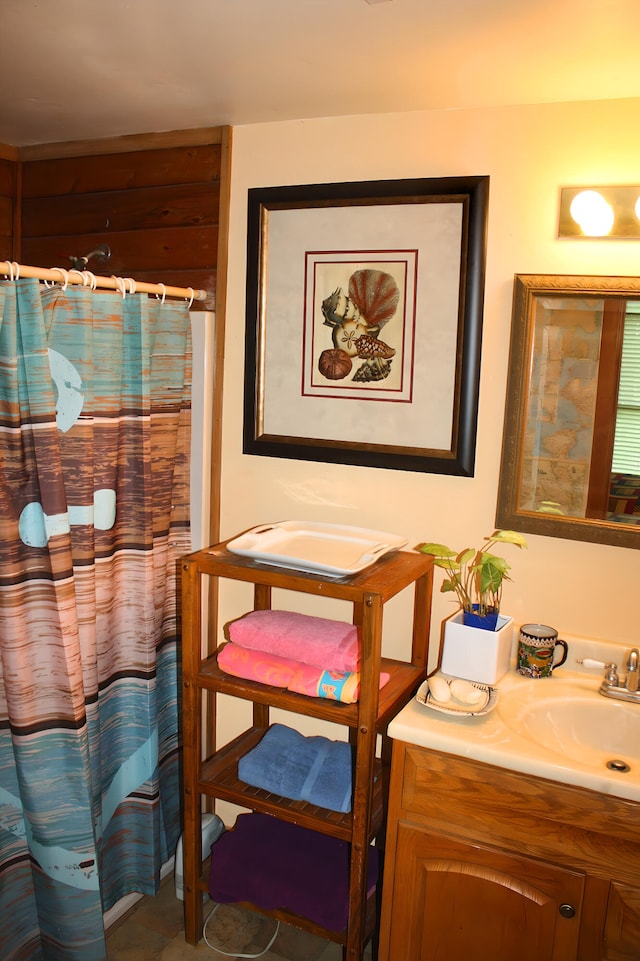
(528, 152)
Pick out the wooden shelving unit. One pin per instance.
(216, 777)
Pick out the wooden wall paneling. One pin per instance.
(127, 143)
(181, 205)
(7, 152)
(6, 228)
(220, 310)
(153, 251)
(125, 171)
(215, 482)
(9, 223)
(7, 177)
(157, 209)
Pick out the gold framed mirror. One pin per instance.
(571, 445)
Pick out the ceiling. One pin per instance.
(83, 69)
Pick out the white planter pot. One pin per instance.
(475, 654)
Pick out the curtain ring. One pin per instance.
(51, 283)
(65, 277)
(191, 298)
(90, 279)
(164, 293)
(16, 267)
(10, 266)
(74, 270)
(132, 284)
(120, 285)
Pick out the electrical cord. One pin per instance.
(235, 954)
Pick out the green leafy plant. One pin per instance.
(476, 575)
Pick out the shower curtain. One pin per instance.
(94, 515)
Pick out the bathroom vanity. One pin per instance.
(500, 847)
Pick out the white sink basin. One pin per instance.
(589, 729)
(560, 728)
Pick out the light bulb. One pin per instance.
(592, 213)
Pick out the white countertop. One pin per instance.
(500, 738)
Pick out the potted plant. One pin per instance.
(476, 575)
(477, 638)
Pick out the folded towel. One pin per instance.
(256, 666)
(312, 769)
(277, 865)
(286, 673)
(312, 640)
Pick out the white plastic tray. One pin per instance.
(334, 550)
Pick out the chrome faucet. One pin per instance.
(623, 688)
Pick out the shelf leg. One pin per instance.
(191, 749)
(364, 774)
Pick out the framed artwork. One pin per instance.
(364, 322)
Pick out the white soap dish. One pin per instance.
(455, 708)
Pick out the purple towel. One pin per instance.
(276, 865)
(331, 645)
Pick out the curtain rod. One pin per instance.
(124, 285)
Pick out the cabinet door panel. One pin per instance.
(454, 902)
(622, 932)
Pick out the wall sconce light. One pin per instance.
(612, 212)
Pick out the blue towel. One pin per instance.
(301, 768)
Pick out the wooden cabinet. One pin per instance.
(217, 776)
(460, 897)
(483, 862)
(622, 924)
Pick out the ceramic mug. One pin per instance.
(537, 646)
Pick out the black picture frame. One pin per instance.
(419, 244)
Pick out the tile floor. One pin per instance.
(153, 931)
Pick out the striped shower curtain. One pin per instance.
(94, 509)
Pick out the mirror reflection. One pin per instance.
(571, 449)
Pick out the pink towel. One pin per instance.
(294, 676)
(324, 643)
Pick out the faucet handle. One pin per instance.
(610, 670)
(611, 674)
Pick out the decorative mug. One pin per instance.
(537, 646)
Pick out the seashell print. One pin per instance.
(372, 370)
(356, 318)
(337, 308)
(346, 334)
(376, 294)
(334, 364)
(368, 347)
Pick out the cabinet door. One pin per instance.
(454, 901)
(622, 929)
